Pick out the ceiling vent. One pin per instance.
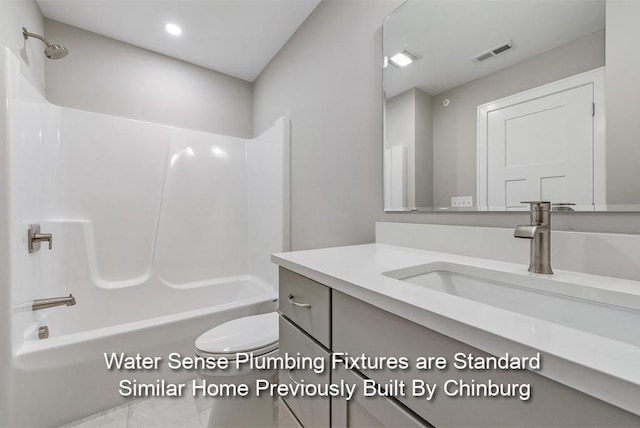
(504, 47)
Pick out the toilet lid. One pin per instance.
(256, 333)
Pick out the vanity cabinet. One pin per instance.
(305, 330)
(355, 327)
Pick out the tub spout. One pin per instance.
(53, 301)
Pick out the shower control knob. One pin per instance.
(34, 238)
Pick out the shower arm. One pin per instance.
(27, 34)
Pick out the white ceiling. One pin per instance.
(236, 37)
(447, 34)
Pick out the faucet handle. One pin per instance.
(34, 238)
(538, 205)
(562, 206)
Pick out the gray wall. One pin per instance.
(15, 14)
(399, 130)
(455, 126)
(623, 101)
(336, 113)
(107, 76)
(424, 148)
(408, 122)
(327, 80)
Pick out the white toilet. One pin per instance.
(257, 335)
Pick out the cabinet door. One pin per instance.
(310, 411)
(367, 412)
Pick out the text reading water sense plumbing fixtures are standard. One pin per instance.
(419, 387)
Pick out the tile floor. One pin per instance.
(184, 412)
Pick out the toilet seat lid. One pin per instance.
(244, 334)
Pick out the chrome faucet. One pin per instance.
(539, 232)
(53, 301)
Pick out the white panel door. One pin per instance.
(542, 149)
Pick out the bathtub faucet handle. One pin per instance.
(34, 238)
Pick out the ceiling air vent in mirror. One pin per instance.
(493, 52)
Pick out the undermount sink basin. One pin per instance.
(603, 312)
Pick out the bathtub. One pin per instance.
(74, 333)
(66, 374)
(65, 377)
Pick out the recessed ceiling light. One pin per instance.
(403, 58)
(173, 29)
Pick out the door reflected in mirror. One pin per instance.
(489, 103)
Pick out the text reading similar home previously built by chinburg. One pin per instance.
(463, 375)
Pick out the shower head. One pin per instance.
(55, 51)
(51, 51)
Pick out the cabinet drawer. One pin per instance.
(308, 304)
(362, 411)
(362, 328)
(286, 419)
(310, 411)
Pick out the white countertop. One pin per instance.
(602, 367)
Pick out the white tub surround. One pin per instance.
(160, 233)
(584, 357)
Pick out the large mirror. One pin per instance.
(489, 103)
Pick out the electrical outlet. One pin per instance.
(462, 201)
